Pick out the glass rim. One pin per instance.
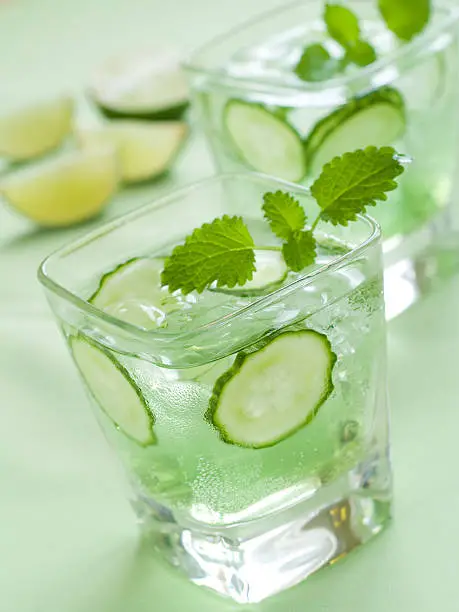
(404, 55)
(145, 335)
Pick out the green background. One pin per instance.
(68, 539)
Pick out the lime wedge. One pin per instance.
(71, 188)
(146, 150)
(143, 85)
(36, 129)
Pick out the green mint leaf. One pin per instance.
(350, 183)
(300, 250)
(342, 24)
(284, 214)
(405, 18)
(361, 54)
(316, 64)
(221, 251)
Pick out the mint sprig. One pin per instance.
(343, 26)
(287, 219)
(405, 18)
(316, 63)
(222, 251)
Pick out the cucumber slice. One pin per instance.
(114, 390)
(265, 141)
(132, 292)
(271, 271)
(68, 189)
(377, 118)
(274, 390)
(147, 85)
(146, 150)
(36, 129)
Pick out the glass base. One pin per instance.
(417, 266)
(251, 561)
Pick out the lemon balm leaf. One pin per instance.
(287, 219)
(361, 54)
(350, 183)
(342, 24)
(405, 18)
(316, 64)
(283, 213)
(221, 251)
(299, 250)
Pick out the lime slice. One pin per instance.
(31, 131)
(143, 85)
(146, 149)
(71, 188)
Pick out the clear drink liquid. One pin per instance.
(203, 496)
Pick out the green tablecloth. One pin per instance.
(67, 535)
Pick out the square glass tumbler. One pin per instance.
(253, 426)
(258, 115)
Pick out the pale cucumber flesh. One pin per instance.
(132, 292)
(376, 119)
(114, 390)
(265, 141)
(273, 391)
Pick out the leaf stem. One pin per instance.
(316, 222)
(268, 248)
